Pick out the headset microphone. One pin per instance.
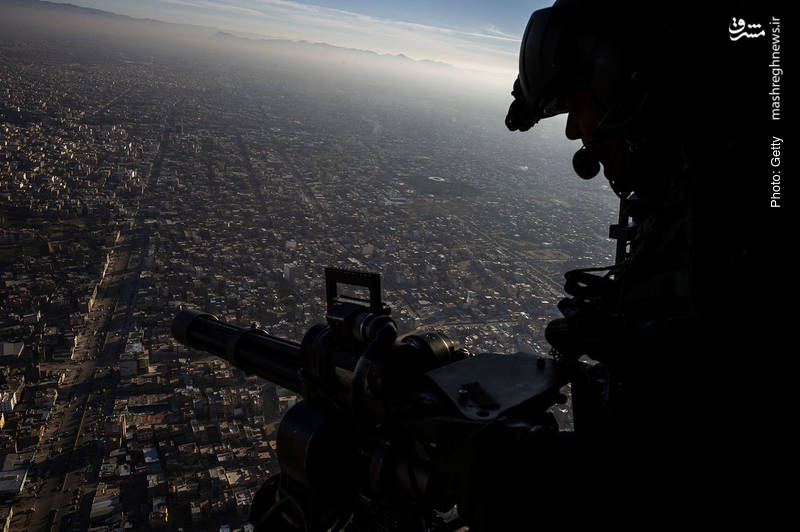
(585, 163)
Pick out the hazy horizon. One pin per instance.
(468, 35)
(390, 73)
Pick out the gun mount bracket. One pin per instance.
(485, 386)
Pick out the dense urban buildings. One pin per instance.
(135, 183)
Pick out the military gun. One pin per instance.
(376, 442)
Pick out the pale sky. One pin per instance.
(473, 34)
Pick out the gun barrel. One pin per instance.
(251, 350)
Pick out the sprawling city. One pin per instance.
(135, 184)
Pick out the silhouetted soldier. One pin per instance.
(653, 94)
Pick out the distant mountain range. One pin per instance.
(218, 34)
(52, 6)
(228, 35)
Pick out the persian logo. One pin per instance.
(737, 30)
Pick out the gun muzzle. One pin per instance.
(249, 349)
